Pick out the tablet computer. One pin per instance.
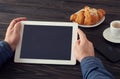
(46, 43)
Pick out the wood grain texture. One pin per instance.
(53, 10)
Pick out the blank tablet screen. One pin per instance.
(45, 42)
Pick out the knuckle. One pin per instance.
(14, 20)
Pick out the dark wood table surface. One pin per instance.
(55, 10)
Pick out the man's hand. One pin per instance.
(83, 47)
(12, 36)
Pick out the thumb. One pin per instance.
(81, 35)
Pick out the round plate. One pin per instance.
(107, 36)
(95, 25)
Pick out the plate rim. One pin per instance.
(95, 25)
(108, 38)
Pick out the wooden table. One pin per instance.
(55, 10)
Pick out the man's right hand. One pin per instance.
(83, 47)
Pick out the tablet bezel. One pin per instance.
(74, 26)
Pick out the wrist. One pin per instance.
(82, 58)
(11, 45)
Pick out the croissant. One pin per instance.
(88, 16)
(78, 17)
(101, 13)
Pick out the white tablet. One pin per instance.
(46, 43)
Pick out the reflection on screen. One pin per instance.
(45, 42)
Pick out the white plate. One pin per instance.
(95, 25)
(107, 36)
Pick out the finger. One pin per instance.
(77, 43)
(81, 35)
(17, 27)
(75, 47)
(14, 21)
